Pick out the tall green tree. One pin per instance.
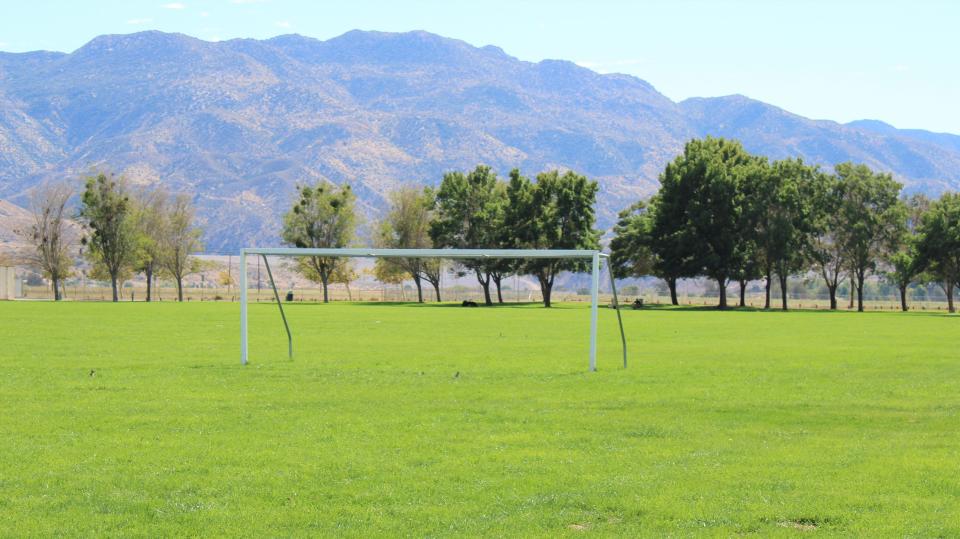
(323, 216)
(469, 215)
(904, 264)
(180, 240)
(748, 270)
(503, 238)
(748, 251)
(778, 200)
(669, 234)
(872, 218)
(111, 240)
(407, 226)
(706, 182)
(555, 212)
(635, 253)
(824, 248)
(938, 246)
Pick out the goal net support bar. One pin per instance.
(593, 255)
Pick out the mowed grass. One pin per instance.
(405, 420)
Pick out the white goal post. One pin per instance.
(593, 255)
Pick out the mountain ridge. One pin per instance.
(238, 123)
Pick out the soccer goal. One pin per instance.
(593, 255)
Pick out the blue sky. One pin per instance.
(897, 61)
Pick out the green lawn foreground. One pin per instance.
(137, 419)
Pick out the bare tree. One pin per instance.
(181, 238)
(50, 235)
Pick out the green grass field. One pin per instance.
(137, 420)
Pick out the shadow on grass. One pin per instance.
(624, 308)
(664, 307)
(451, 304)
(428, 305)
(793, 310)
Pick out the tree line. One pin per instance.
(475, 209)
(123, 231)
(720, 213)
(734, 217)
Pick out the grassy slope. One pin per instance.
(724, 423)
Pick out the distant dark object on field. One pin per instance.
(468, 303)
(638, 303)
(290, 296)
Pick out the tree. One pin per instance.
(469, 215)
(389, 272)
(407, 226)
(872, 217)
(939, 243)
(499, 269)
(702, 192)
(646, 242)
(50, 235)
(824, 248)
(148, 212)
(555, 212)
(748, 266)
(633, 252)
(111, 240)
(778, 200)
(903, 269)
(431, 270)
(903, 260)
(748, 270)
(225, 279)
(630, 249)
(180, 239)
(323, 216)
(345, 274)
(669, 234)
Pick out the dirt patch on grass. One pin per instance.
(802, 524)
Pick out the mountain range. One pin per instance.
(239, 123)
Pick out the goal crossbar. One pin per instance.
(594, 256)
